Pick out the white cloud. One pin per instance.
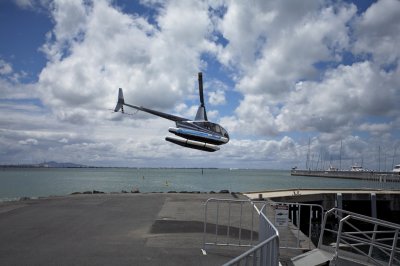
(217, 97)
(253, 117)
(63, 140)
(34, 5)
(345, 95)
(378, 32)
(270, 50)
(287, 56)
(12, 89)
(11, 108)
(271, 41)
(108, 49)
(282, 45)
(261, 153)
(376, 129)
(5, 68)
(28, 142)
(25, 3)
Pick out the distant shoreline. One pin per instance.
(115, 167)
(38, 166)
(50, 164)
(79, 166)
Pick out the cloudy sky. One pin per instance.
(278, 75)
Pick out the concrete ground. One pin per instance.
(108, 229)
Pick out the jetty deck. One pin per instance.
(279, 193)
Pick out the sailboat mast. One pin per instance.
(340, 156)
(308, 154)
(379, 158)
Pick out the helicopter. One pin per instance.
(199, 133)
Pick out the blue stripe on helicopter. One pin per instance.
(197, 133)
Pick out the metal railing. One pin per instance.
(267, 251)
(360, 237)
(228, 227)
(314, 214)
(240, 231)
(234, 223)
(382, 181)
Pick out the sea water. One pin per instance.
(42, 182)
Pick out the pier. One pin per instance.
(361, 175)
(378, 203)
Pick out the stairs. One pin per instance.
(312, 258)
(319, 257)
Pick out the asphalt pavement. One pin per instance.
(108, 229)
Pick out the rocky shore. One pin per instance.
(133, 191)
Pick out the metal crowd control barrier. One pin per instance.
(229, 225)
(313, 223)
(267, 251)
(360, 237)
(240, 231)
(235, 223)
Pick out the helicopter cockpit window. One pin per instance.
(224, 133)
(210, 126)
(214, 127)
(202, 124)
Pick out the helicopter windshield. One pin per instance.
(213, 127)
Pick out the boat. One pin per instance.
(332, 168)
(356, 168)
(396, 168)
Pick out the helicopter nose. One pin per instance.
(226, 135)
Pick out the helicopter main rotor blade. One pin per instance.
(201, 114)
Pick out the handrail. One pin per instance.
(266, 252)
(269, 237)
(367, 218)
(229, 201)
(316, 207)
(251, 251)
(373, 239)
(266, 230)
